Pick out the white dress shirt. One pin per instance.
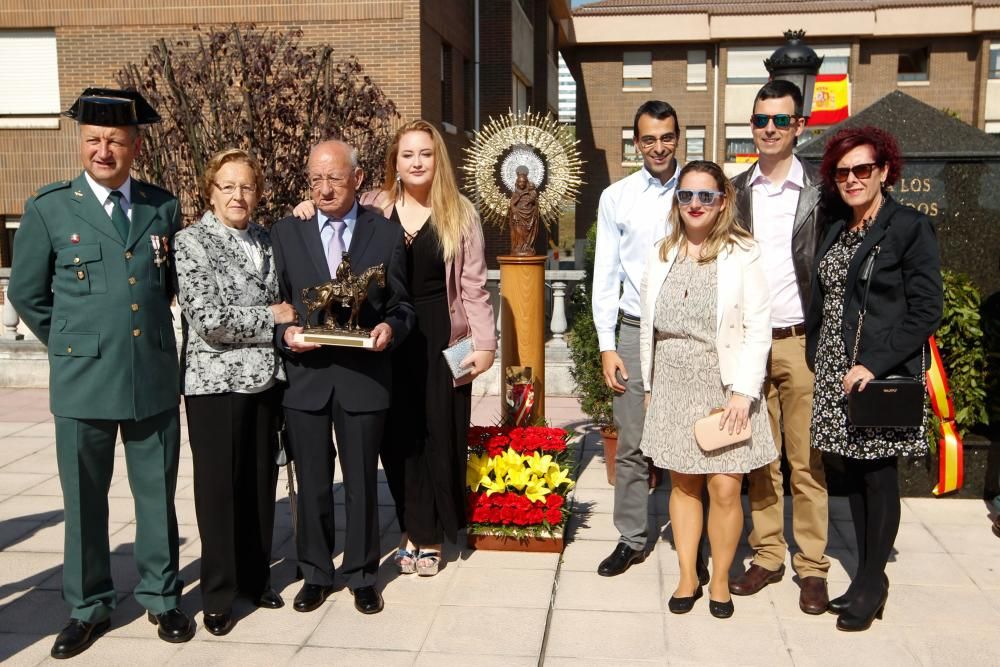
(632, 216)
(773, 222)
(103, 195)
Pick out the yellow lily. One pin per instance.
(517, 478)
(498, 485)
(539, 464)
(536, 490)
(477, 472)
(556, 476)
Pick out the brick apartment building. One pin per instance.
(706, 58)
(423, 53)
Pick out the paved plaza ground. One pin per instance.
(495, 608)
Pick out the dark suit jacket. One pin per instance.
(905, 299)
(362, 379)
(98, 301)
(807, 230)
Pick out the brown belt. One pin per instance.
(788, 332)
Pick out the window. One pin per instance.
(746, 64)
(994, 72)
(447, 85)
(630, 156)
(739, 144)
(914, 65)
(992, 128)
(835, 59)
(29, 79)
(637, 70)
(694, 144)
(697, 72)
(521, 95)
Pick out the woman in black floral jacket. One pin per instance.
(230, 377)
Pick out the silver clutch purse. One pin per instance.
(453, 357)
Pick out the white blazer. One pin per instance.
(743, 316)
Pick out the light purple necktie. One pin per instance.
(335, 249)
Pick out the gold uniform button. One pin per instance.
(135, 308)
(76, 260)
(69, 349)
(128, 254)
(136, 333)
(131, 280)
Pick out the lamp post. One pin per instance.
(797, 63)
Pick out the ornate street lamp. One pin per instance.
(797, 63)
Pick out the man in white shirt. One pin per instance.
(778, 201)
(632, 216)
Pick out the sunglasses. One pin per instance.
(860, 171)
(781, 120)
(705, 197)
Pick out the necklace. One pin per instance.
(870, 220)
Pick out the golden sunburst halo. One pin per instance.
(538, 142)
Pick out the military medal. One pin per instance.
(74, 238)
(157, 257)
(165, 242)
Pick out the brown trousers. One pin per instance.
(789, 390)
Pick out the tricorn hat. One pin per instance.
(108, 107)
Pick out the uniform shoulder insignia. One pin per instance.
(149, 189)
(51, 187)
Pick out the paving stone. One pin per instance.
(199, 654)
(326, 656)
(609, 635)
(739, 640)
(24, 650)
(457, 630)
(431, 659)
(633, 591)
(523, 589)
(397, 627)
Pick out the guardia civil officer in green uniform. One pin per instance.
(92, 279)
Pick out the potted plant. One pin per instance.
(595, 396)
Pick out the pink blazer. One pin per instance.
(465, 275)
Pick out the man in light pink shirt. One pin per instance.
(778, 201)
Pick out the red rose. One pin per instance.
(553, 517)
(554, 501)
(507, 514)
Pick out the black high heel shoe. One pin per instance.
(839, 605)
(678, 605)
(849, 622)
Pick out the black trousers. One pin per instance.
(233, 440)
(873, 495)
(358, 438)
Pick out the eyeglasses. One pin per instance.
(316, 182)
(781, 120)
(648, 141)
(231, 188)
(860, 171)
(705, 197)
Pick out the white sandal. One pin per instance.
(428, 562)
(406, 561)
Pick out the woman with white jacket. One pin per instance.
(704, 340)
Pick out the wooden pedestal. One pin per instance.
(522, 323)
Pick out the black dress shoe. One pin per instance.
(721, 609)
(218, 624)
(367, 600)
(269, 599)
(621, 559)
(701, 568)
(77, 637)
(839, 605)
(311, 596)
(678, 605)
(858, 621)
(174, 626)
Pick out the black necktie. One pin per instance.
(118, 217)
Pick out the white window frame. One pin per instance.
(29, 79)
(742, 64)
(637, 68)
(697, 69)
(694, 134)
(628, 136)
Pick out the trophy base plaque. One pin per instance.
(338, 339)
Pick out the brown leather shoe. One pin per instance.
(813, 598)
(754, 579)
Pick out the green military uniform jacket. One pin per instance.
(100, 303)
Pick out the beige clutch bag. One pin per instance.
(710, 438)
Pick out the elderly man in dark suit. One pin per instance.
(92, 279)
(348, 387)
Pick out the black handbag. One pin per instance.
(896, 401)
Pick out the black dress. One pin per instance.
(424, 453)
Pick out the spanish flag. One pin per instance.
(950, 465)
(830, 100)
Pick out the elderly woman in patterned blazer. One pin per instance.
(231, 379)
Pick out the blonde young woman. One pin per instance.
(705, 335)
(424, 450)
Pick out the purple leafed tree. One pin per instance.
(262, 91)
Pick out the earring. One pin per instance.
(399, 188)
